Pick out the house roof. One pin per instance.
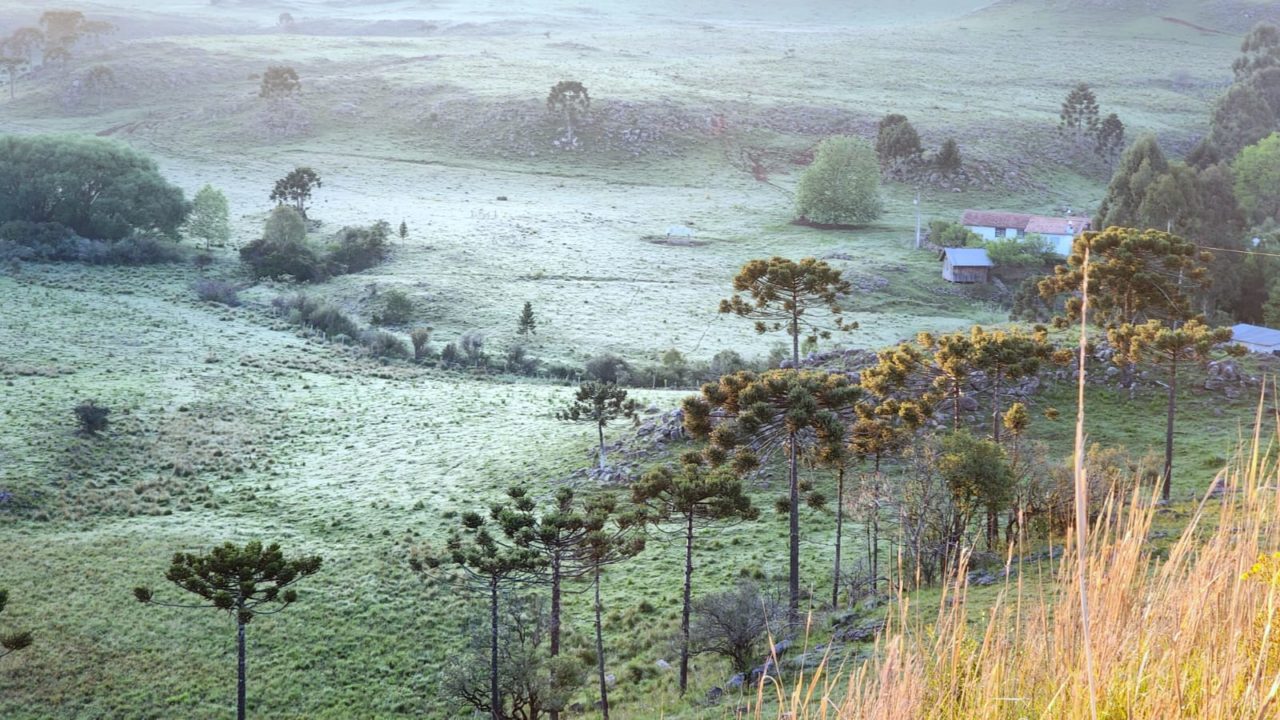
(1256, 335)
(995, 218)
(1057, 225)
(968, 257)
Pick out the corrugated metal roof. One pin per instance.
(1256, 335)
(968, 257)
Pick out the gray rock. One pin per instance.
(714, 694)
(663, 664)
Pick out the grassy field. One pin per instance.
(228, 424)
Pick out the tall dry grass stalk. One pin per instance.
(1187, 630)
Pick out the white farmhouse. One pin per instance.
(1059, 231)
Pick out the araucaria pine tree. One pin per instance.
(1079, 114)
(803, 412)
(243, 581)
(487, 564)
(14, 641)
(527, 324)
(690, 497)
(599, 403)
(1191, 342)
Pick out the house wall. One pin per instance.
(1256, 348)
(1061, 243)
(989, 233)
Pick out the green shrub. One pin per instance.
(283, 249)
(397, 308)
(54, 242)
(381, 343)
(360, 248)
(91, 417)
(1033, 251)
(323, 316)
(217, 291)
(421, 339)
(608, 368)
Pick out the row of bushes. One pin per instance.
(329, 320)
(54, 242)
(284, 250)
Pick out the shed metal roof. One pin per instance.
(1256, 335)
(968, 257)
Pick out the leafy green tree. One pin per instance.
(804, 412)
(599, 403)
(978, 475)
(296, 188)
(485, 563)
(570, 100)
(693, 496)
(897, 141)
(243, 581)
(802, 297)
(1140, 165)
(945, 233)
(98, 188)
(279, 82)
(283, 249)
(12, 642)
(62, 28)
(1257, 179)
(1079, 114)
(1259, 50)
(1109, 139)
(1241, 118)
(527, 324)
(24, 42)
(99, 80)
(209, 218)
(948, 159)
(842, 185)
(1189, 342)
(404, 231)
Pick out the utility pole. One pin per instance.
(916, 202)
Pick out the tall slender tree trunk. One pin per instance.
(600, 429)
(604, 685)
(995, 408)
(241, 691)
(793, 490)
(495, 700)
(555, 613)
(1167, 481)
(793, 530)
(835, 573)
(875, 527)
(955, 404)
(688, 603)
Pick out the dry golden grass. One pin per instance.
(1189, 635)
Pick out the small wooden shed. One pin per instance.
(966, 265)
